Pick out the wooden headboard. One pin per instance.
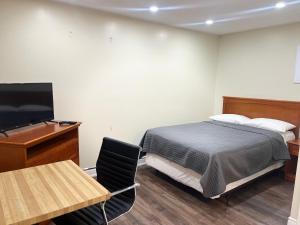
(288, 111)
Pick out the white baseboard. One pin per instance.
(292, 221)
(93, 173)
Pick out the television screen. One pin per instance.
(25, 104)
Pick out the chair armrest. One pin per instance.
(125, 189)
(89, 168)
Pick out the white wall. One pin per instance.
(260, 63)
(120, 76)
(146, 75)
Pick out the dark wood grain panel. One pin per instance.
(288, 111)
(294, 150)
(295, 142)
(291, 165)
(33, 135)
(12, 158)
(37, 145)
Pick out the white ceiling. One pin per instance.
(230, 15)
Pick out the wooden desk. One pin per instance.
(37, 145)
(36, 194)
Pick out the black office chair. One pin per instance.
(116, 168)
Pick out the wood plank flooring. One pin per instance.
(161, 201)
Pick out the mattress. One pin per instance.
(192, 179)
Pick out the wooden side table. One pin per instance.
(291, 165)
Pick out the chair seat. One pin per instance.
(92, 215)
(116, 168)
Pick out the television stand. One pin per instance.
(39, 144)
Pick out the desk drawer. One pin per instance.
(294, 150)
(58, 150)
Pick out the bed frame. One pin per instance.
(288, 111)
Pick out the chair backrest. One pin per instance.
(117, 164)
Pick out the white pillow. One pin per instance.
(230, 118)
(270, 124)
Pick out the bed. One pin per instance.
(252, 153)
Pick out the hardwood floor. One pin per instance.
(161, 201)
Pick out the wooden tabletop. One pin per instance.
(36, 194)
(27, 136)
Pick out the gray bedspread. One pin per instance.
(221, 152)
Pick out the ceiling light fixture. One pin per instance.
(209, 22)
(280, 5)
(153, 9)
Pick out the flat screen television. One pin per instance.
(25, 104)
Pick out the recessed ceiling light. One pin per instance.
(280, 5)
(153, 9)
(209, 22)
